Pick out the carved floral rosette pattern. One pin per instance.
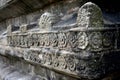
(70, 40)
(82, 40)
(95, 41)
(58, 61)
(108, 39)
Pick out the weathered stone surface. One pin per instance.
(47, 20)
(71, 47)
(90, 15)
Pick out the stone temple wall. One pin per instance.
(60, 40)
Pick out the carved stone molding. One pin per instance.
(82, 40)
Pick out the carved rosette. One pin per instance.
(107, 39)
(95, 39)
(62, 40)
(82, 40)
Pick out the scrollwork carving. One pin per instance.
(107, 39)
(62, 62)
(63, 41)
(71, 64)
(95, 39)
(53, 39)
(90, 15)
(82, 40)
(46, 40)
(73, 40)
(23, 28)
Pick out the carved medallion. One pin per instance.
(107, 39)
(95, 39)
(47, 20)
(90, 15)
(82, 40)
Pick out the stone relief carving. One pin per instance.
(62, 40)
(82, 40)
(54, 39)
(23, 28)
(47, 20)
(107, 39)
(90, 15)
(95, 39)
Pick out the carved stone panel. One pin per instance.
(90, 15)
(47, 20)
(23, 28)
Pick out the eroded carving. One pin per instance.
(47, 20)
(107, 39)
(82, 40)
(95, 39)
(23, 28)
(90, 15)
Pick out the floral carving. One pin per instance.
(62, 40)
(71, 63)
(82, 40)
(62, 62)
(47, 20)
(95, 40)
(46, 40)
(54, 40)
(107, 39)
(73, 40)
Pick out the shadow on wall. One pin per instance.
(108, 5)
